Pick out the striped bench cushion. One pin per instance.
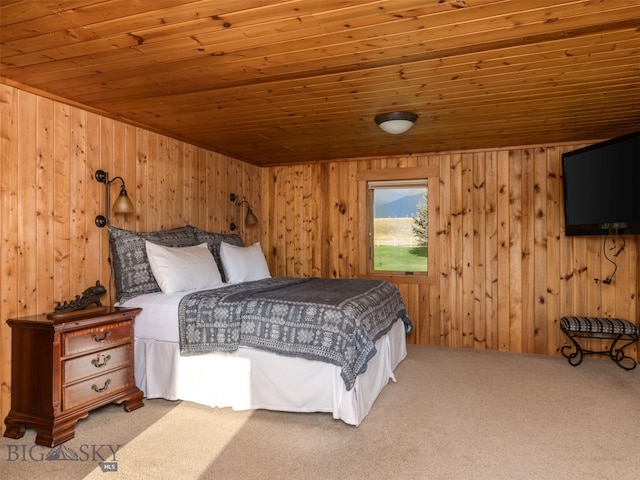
(615, 326)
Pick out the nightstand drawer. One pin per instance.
(96, 363)
(96, 338)
(96, 388)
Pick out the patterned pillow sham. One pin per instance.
(213, 242)
(131, 269)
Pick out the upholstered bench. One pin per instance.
(614, 329)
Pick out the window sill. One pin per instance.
(406, 279)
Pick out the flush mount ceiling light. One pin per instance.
(396, 122)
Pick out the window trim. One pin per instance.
(397, 174)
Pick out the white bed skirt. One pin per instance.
(255, 379)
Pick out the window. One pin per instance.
(398, 215)
(396, 222)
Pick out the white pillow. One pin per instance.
(178, 269)
(243, 264)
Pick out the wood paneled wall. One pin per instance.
(50, 248)
(505, 272)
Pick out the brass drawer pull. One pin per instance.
(106, 335)
(100, 360)
(95, 388)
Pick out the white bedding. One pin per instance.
(250, 378)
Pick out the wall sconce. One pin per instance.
(121, 205)
(396, 122)
(249, 220)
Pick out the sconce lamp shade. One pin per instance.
(123, 203)
(396, 122)
(250, 220)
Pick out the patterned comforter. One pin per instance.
(332, 320)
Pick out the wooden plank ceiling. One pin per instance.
(299, 81)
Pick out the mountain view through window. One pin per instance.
(399, 218)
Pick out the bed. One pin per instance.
(201, 340)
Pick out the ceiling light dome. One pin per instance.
(396, 122)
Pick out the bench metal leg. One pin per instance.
(616, 353)
(575, 358)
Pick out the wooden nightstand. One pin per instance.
(65, 365)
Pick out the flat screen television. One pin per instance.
(601, 186)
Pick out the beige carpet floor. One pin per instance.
(453, 414)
